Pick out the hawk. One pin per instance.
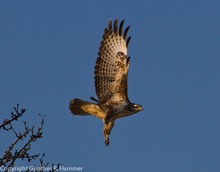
(111, 71)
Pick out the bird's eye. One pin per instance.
(135, 106)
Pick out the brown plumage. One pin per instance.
(111, 71)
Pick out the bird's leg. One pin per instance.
(107, 130)
(106, 134)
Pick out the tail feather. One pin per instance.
(75, 106)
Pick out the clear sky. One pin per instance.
(47, 55)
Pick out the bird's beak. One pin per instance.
(141, 108)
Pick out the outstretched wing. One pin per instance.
(112, 65)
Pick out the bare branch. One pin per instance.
(28, 136)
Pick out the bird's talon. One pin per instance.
(107, 142)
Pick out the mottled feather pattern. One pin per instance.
(111, 65)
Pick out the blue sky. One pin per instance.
(47, 55)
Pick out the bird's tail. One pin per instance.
(76, 106)
(82, 107)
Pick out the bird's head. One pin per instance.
(136, 107)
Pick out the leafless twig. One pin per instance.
(29, 135)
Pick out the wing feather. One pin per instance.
(121, 27)
(112, 65)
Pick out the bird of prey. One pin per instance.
(111, 71)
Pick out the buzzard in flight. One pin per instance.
(111, 72)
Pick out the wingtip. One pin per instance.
(128, 41)
(121, 27)
(126, 32)
(110, 24)
(116, 26)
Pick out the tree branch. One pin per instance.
(29, 135)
